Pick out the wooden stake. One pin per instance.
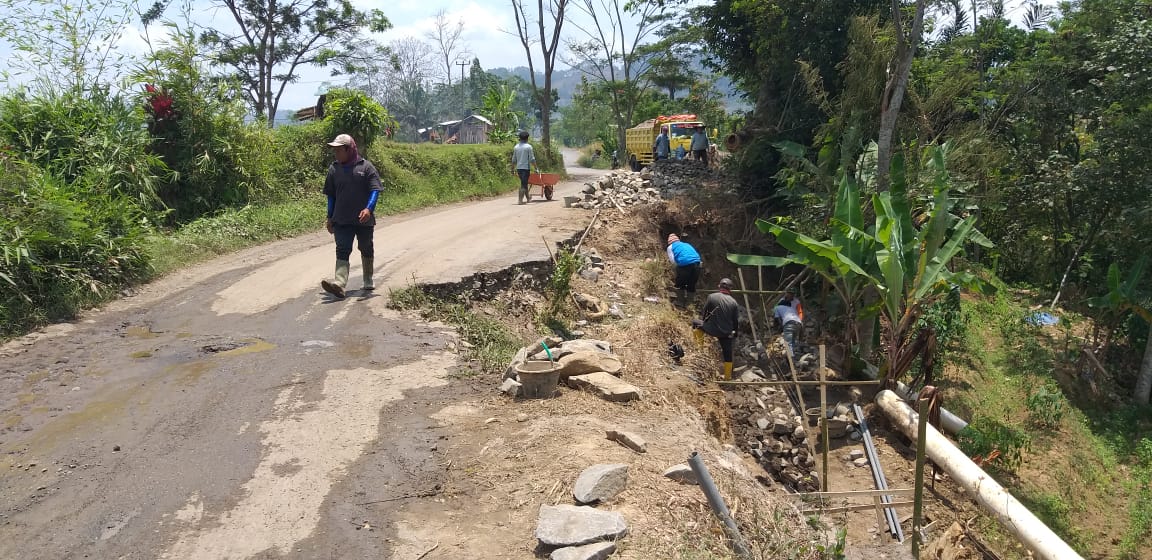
(823, 417)
(918, 498)
(751, 319)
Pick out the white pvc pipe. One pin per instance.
(950, 422)
(1033, 533)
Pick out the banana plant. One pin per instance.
(1126, 296)
(907, 265)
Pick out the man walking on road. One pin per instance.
(352, 186)
(523, 160)
(719, 318)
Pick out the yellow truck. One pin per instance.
(639, 138)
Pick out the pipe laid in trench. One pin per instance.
(1033, 533)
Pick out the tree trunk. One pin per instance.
(895, 88)
(1144, 379)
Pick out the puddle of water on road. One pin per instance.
(140, 332)
(25, 398)
(96, 413)
(141, 354)
(188, 373)
(253, 345)
(184, 335)
(358, 348)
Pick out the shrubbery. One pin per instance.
(61, 248)
(197, 126)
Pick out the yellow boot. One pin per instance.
(727, 371)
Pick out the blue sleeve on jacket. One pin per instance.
(372, 200)
(331, 205)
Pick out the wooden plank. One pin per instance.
(824, 441)
(857, 507)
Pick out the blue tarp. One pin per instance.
(1041, 319)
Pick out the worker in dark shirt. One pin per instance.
(719, 318)
(352, 187)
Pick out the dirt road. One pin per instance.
(234, 410)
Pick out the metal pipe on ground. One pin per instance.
(1012, 515)
(878, 474)
(735, 539)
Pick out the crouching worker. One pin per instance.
(687, 262)
(789, 314)
(719, 318)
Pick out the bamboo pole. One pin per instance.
(805, 383)
(824, 440)
(751, 320)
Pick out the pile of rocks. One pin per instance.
(765, 425)
(674, 177)
(585, 364)
(618, 189)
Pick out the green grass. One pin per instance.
(231, 230)
(1021, 390)
(493, 345)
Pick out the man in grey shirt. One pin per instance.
(699, 145)
(720, 317)
(523, 160)
(352, 187)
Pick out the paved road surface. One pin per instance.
(234, 410)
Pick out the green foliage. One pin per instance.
(907, 265)
(198, 130)
(93, 143)
(985, 435)
(231, 230)
(560, 282)
(1045, 406)
(274, 45)
(61, 248)
(498, 105)
(299, 159)
(492, 343)
(351, 112)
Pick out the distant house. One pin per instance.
(473, 130)
(311, 113)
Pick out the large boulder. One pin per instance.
(600, 482)
(581, 362)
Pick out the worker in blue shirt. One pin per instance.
(687, 262)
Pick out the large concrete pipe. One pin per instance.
(1032, 533)
(950, 422)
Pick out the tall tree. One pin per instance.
(275, 38)
(611, 54)
(543, 27)
(893, 98)
(445, 37)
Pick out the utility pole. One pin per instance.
(463, 90)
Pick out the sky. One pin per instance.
(489, 34)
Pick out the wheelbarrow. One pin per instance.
(546, 182)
